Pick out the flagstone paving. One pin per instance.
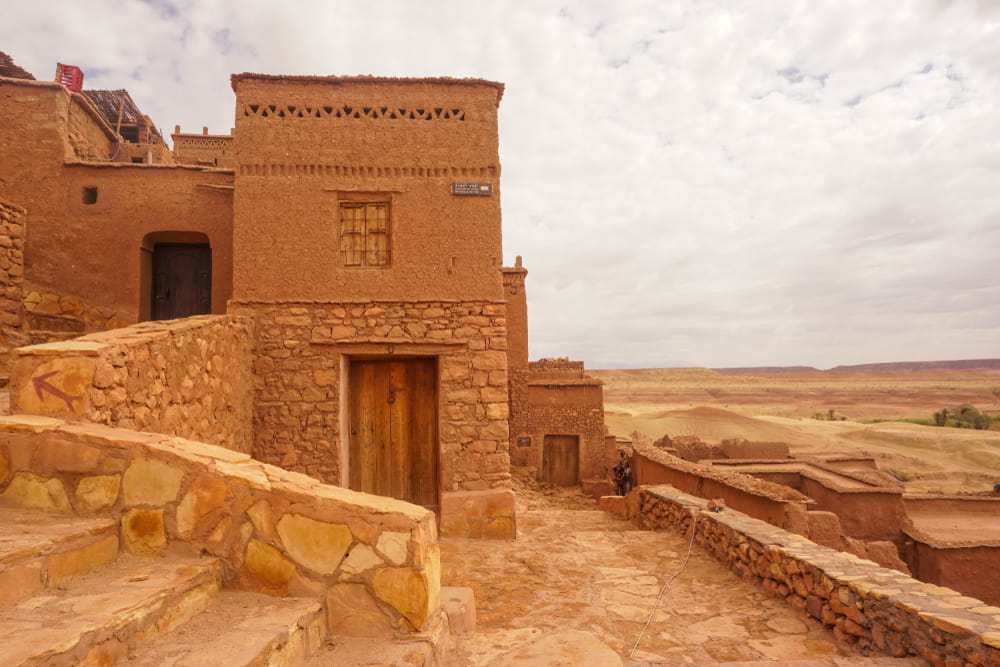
(575, 568)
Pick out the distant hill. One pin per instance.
(959, 365)
(754, 370)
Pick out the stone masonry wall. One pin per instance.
(877, 610)
(11, 266)
(189, 378)
(298, 376)
(372, 562)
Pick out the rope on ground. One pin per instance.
(656, 603)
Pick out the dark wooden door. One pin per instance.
(561, 460)
(393, 447)
(182, 280)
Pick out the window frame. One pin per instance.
(365, 239)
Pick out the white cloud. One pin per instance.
(711, 182)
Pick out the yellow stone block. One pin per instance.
(56, 387)
(205, 496)
(143, 532)
(405, 590)
(151, 482)
(96, 494)
(394, 546)
(262, 518)
(991, 639)
(71, 563)
(29, 490)
(266, 565)
(317, 545)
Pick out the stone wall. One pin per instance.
(303, 352)
(189, 378)
(11, 269)
(878, 611)
(373, 562)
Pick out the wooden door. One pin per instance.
(561, 460)
(393, 447)
(182, 280)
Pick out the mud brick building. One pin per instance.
(355, 223)
(115, 230)
(376, 287)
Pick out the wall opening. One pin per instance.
(393, 444)
(561, 460)
(89, 194)
(175, 275)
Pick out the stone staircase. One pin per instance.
(68, 596)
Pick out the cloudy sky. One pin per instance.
(690, 182)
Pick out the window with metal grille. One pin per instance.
(364, 234)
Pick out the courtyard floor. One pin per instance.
(579, 584)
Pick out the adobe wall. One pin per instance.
(303, 350)
(204, 148)
(517, 315)
(83, 261)
(872, 514)
(372, 562)
(876, 610)
(777, 505)
(969, 568)
(189, 378)
(305, 144)
(95, 251)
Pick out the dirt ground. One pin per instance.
(781, 407)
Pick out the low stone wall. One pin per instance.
(190, 378)
(877, 610)
(374, 562)
(773, 503)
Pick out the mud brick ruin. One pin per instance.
(286, 359)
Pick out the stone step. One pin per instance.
(241, 628)
(852, 661)
(101, 617)
(39, 550)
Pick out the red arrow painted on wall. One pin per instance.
(41, 385)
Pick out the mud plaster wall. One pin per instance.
(517, 316)
(95, 251)
(971, 569)
(189, 378)
(768, 502)
(302, 352)
(878, 611)
(866, 515)
(212, 149)
(11, 266)
(92, 253)
(373, 562)
(298, 161)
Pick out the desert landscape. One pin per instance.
(795, 408)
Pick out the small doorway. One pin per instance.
(561, 460)
(182, 280)
(393, 443)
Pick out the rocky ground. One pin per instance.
(578, 586)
